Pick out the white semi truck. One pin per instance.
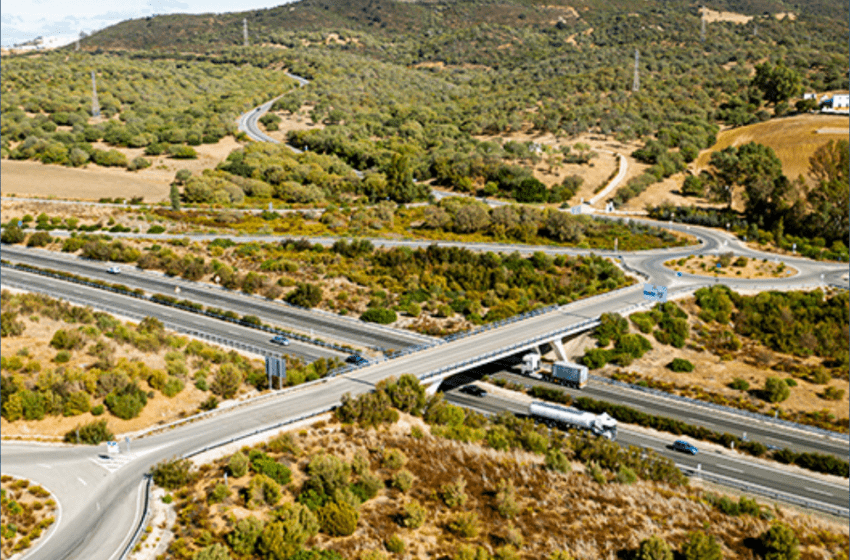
(562, 417)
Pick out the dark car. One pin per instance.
(356, 360)
(281, 340)
(473, 390)
(685, 447)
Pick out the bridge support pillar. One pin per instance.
(558, 347)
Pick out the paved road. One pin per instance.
(330, 327)
(718, 462)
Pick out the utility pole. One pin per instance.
(702, 28)
(95, 106)
(245, 31)
(636, 82)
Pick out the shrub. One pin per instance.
(126, 405)
(379, 315)
(92, 433)
(12, 235)
(97, 410)
(338, 519)
(62, 357)
(238, 464)
(453, 494)
(414, 514)
(305, 295)
(173, 386)
(681, 365)
(506, 503)
(776, 390)
(210, 403)
(213, 552)
(780, 543)
(243, 538)
(394, 459)
(226, 381)
(262, 489)
(182, 152)
(263, 464)
(77, 403)
(282, 539)
(173, 474)
(395, 544)
(218, 494)
(626, 475)
(464, 525)
(654, 548)
(700, 546)
(39, 239)
(557, 461)
(402, 480)
(739, 384)
(833, 393)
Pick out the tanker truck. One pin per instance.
(563, 417)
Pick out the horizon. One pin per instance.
(54, 19)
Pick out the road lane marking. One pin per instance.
(45, 466)
(733, 469)
(83, 481)
(830, 494)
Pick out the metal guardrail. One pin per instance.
(145, 512)
(757, 489)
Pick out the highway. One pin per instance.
(100, 499)
(331, 327)
(710, 459)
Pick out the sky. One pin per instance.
(25, 20)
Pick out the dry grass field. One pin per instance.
(794, 139)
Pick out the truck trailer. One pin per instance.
(563, 417)
(569, 374)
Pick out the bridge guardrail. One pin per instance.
(755, 488)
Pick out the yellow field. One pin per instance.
(794, 139)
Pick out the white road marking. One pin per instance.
(83, 481)
(733, 469)
(45, 466)
(819, 492)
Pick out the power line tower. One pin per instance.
(702, 26)
(245, 31)
(636, 82)
(95, 106)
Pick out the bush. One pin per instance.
(338, 519)
(557, 461)
(654, 548)
(776, 390)
(9, 326)
(126, 405)
(739, 384)
(12, 235)
(833, 394)
(243, 538)
(262, 490)
(394, 459)
(173, 474)
(402, 480)
(680, 365)
(395, 544)
(173, 386)
(305, 295)
(625, 475)
(465, 525)
(700, 546)
(213, 552)
(506, 503)
(77, 403)
(218, 494)
(62, 357)
(92, 433)
(238, 464)
(182, 152)
(39, 239)
(453, 494)
(414, 514)
(263, 464)
(97, 410)
(780, 543)
(379, 315)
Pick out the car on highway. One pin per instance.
(114, 270)
(473, 390)
(357, 360)
(282, 340)
(685, 447)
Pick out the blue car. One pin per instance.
(684, 446)
(281, 340)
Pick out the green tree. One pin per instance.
(700, 546)
(281, 539)
(226, 381)
(654, 548)
(758, 170)
(830, 197)
(338, 519)
(174, 195)
(243, 538)
(778, 83)
(173, 475)
(780, 543)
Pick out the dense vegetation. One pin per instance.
(108, 381)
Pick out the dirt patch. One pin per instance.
(30, 178)
(706, 265)
(712, 16)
